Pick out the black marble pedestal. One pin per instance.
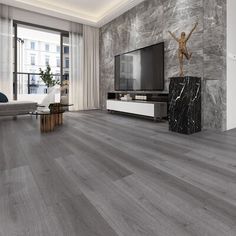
(185, 104)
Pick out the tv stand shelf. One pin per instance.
(140, 92)
(156, 96)
(154, 105)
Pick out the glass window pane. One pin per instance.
(36, 48)
(47, 47)
(32, 60)
(47, 60)
(32, 45)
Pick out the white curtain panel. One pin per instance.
(6, 51)
(84, 68)
(76, 68)
(91, 67)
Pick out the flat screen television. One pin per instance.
(140, 70)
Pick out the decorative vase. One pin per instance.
(51, 96)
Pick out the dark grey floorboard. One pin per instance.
(10, 150)
(87, 150)
(124, 214)
(139, 165)
(175, 162)
(172, 207)
(108, 175)
(22, 209)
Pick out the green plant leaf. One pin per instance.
(47, 77)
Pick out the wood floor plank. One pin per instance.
(74, 212)
(80, 146)
(11, 155)
(179, 143)
(174, 162)
(22, 209)
(114, 175)
(173, 209)
(124, 157)
(125, 216)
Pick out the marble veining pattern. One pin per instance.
(185, 105)
(148, 23)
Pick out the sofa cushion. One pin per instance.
(14, 108)
(3, 97)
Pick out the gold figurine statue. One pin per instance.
(183, 51)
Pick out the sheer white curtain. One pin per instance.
(84, 68)
(6, 59)
(91, 67)
(76, 67)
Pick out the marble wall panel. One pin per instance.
(148, 23)
(214, 69)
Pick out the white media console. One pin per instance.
(156, 110)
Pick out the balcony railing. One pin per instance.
(31, 83)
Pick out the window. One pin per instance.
(47, 59)
(58, 62)
(67, 62)
(33, 79)
(32, 85)
(36, 47)
(58, 76)
(47, 47)
(32, 60)
(66, 49)
(32, 45)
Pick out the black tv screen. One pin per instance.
(140, 70)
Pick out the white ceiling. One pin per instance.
(92, 12)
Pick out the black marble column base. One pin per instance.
(185, 104)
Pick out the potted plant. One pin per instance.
(47, 77)
(53, 86)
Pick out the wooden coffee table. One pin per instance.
(51, 118)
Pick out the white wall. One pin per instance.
(40, 19)
(231, 64)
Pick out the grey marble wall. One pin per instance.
(149, 22)
(214, 69)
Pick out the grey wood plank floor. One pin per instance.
(106, 174)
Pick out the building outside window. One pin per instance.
(47, 47)
(58, 62)
(33, 79)
(32, 60)
(67, 62)
(32, 55)
(32, 45)
(58, 75)
(47, 59)
(66, 49)
(32, 82)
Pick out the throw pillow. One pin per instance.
(3, 97)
